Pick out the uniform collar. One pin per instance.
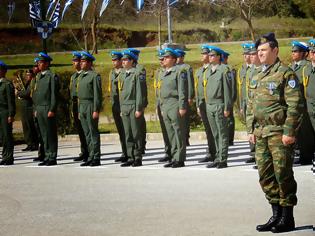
(43, 72)
(117, 70)
(214, 67)
(131, 70)
(313, 64)
(79, 72)
(206, 66)
(173, 68)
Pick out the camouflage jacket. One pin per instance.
(275, 102)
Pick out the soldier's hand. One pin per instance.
(287, 140)
(198, 111)
(138, 114)
(10, 119)
(35, 114)
(190, 102)
(51, 114)
(226, 113)
(182, 112)
(252, 138)
(95, 115)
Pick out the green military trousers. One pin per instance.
(29, 130)
(231, 127)
(90, 128)
(120, 128)
(218, 124)
(132, 127)
(48, 132)
(143, 134)
(274, 161)
(167, 145)
(6, 136)
(210, 140)
(175, 128)
(78, 126)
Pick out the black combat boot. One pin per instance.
(276, 214)
(286, 222)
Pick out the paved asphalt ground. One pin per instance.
(150, 200)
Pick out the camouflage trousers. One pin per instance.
(274, 161)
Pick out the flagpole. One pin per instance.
(169, 22)
(55, 8)
(43, 16)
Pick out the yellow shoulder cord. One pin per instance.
(305, 81)
(155, 74)
(239, 82)
(159, 83)
(33, 89)
(204, 83)
(110, 81)
(247, 82)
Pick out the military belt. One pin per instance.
(86, 100)
(215, 101)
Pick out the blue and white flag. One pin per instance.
(34, 8)
(11, 8)
(140, 4)
(84, 7)
(67, 5)
(172, 2)
(104, 6)
(122, 2)
(50, 7)
(55, 17)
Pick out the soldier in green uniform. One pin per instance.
(132, 105)
(142, 70)
(231, 119)
(272, 120)
(113, 89)
(218, 97)
(191, 90)
(200, 81)
(76, 58)
(90, 105)
(7, 113)
(157, 87)
(305, 137)
(174, 102)
(29, 130)
(44, 92)
(309, 86)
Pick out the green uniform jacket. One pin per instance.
(276, 102)
(298, 69)
(219, 87)
(309, 85)
(242, 83)
(174, 88)
(201, 77)
(7, 97)
(131, 89)
(190, 80)
(90, 89)
(157, 84)
(74, 84)
(45, 90)
(113, 86)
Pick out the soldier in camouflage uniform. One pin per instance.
(191, 91)
(157, 88)
(83, 156)
(132, 105)
(309, 86)
(142, 70)
(201, 103)
(231, 119)
(7, 113)
(90, 105)
(272, 120)
(113, 89)
(173, 100)
(44, 92)
(305, 137)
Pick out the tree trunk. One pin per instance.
(159, 28)
(246, 16)
(94, 27)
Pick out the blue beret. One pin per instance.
(44, 57)
(205, 49)
(36, 59)
(127, 54)
(225, 54)
(170, 52)
(116, 55)
(299, 46)
(216, 49)
(76, 56)
(180, 52)
(87, 56)
(311, 44)
(160, 53)
(134, 51)
(3, 65)
(267, 38)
